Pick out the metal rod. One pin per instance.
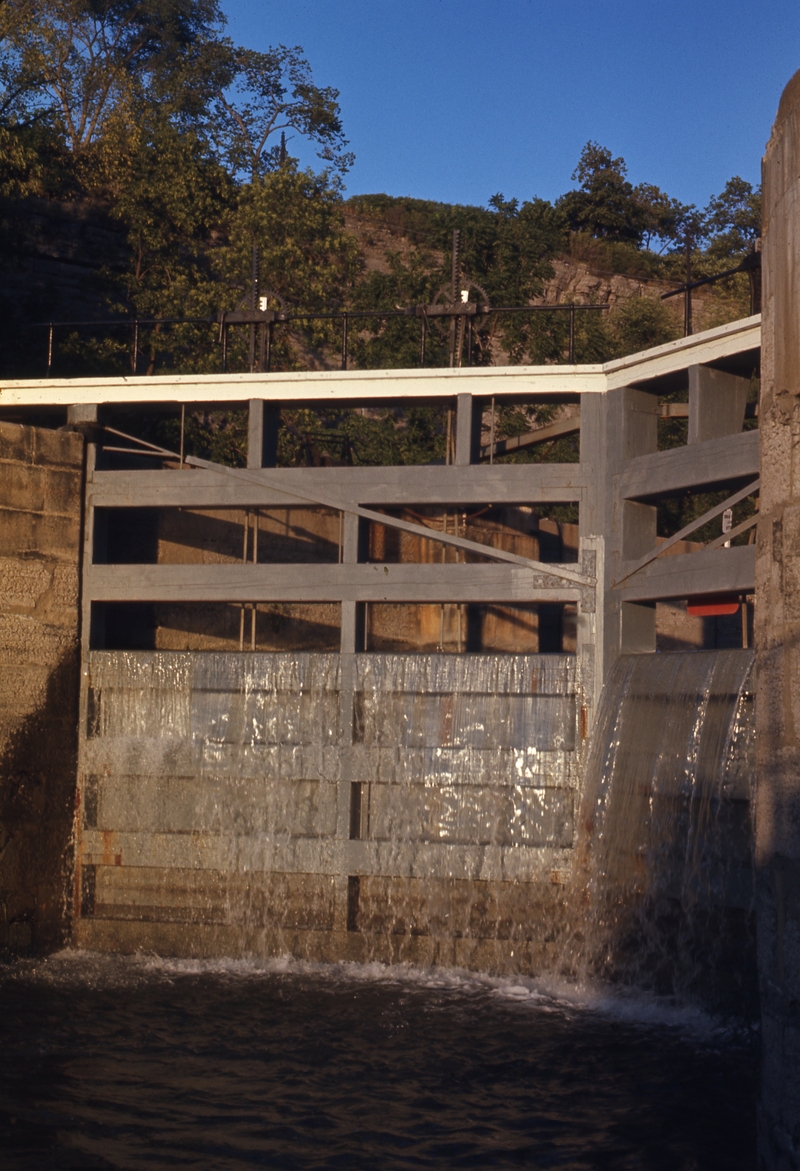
(491, 440)
(135, 355)
(572, 334)
(269, 347)
(422, 340)
(50, 349)
(254, 609)
(253, 307)
(344, 342)
(224, 347)
(183, 428)
(687, 300)
(246, 533)
(143, 454)
(414, 311)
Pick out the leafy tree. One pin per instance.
(640, 323)
(605, 205)
(258, 95)
(294, 218)
(733, 220)
(92, 55)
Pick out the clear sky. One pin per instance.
(455, 100)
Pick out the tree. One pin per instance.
(733, 220)
(258, 95)
(605, 205)
(90, 56)
(295, 219)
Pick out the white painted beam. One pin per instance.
(379, 385)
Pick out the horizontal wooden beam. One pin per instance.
(323, 583)
(449, 486)
(701, 466)
(566, 426)
(686, 575)
(338, 386)
(345, 386)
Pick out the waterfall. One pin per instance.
(664, 869)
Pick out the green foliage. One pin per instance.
(362, 438)
(604, 204)
(639, 324)
(84, 61)
(259, 94)
(147, 107)
(733, 220)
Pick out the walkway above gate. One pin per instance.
(676, 423)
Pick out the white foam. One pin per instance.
(546, 993)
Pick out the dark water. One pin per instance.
(110, 1063)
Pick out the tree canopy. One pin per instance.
(148, 110)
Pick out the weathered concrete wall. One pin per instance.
(40, 509)
(778, 646)
(416, 807)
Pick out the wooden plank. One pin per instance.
(323, 583)
(687, 530)
(715, 462)
(342, 386)
(707, 571)
(393, 486)
(566, 426)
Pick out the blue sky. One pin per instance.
(455, 100)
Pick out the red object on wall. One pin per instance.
(711, 605)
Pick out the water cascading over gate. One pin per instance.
(664, 872)
(416, 807)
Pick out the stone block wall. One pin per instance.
(40, 528)
(778, 648)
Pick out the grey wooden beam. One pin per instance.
(323, 583)
(685, 575)
(687, 530)
(262, 434)
(567, 426)
(304, 496)
(468, 426)
(78, 413)
(426, 484)
(713, 462)
(352, 634)
(717, 402)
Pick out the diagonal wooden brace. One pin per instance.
(717, 510)
(559, 572)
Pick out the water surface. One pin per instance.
(141, 1063)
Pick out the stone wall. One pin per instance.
(778, 647)
(40, 510)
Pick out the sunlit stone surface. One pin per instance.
(778, 645)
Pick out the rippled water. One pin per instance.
(131, 1063)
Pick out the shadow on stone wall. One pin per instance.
(37, 799)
